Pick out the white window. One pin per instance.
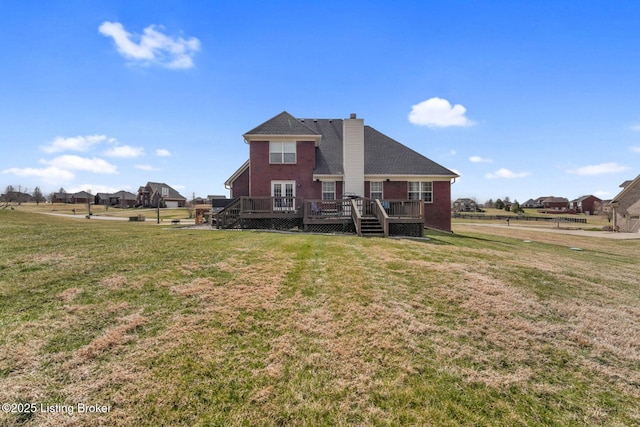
(328, 190)
(165, 192)
(282, 152)
(375, 190)
(421, 191)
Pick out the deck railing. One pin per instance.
(327, 209)
(356, 216)
(270, 205)
(383, 217)
(402, 208)
(316, 210)
(228, 215)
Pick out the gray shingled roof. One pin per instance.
(382, 155)
(157, 186)
(282, 124)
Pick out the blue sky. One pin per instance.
(522, 99)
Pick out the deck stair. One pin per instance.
(371, 227)
(229, 217)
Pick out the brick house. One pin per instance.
(555, 203)
(61, 197)
(589, 204)
(626, 207)
(157, 193)
(82, 197)
(120, 199)
(330, 159)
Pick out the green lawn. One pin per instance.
(186, 327)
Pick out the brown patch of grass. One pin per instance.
(70, 294)
(112, 337)
(116, 281)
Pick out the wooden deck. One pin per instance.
(316, 215)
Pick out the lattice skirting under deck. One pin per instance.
(411, 230)
(345, 227)
(271, 223)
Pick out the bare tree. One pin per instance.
(38, 196)
(21, 194)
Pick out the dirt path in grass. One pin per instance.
(602, 234)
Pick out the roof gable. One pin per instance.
(627, 186)
(157, 187)
(382, 155)
(282, 124)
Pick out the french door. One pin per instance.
(284, 195)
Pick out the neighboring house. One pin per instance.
(590, 205)
(82, 197)
(555, 203)
(330, 159)
(17, 197)
(529, 204)
(626, 207)
(122, 199)
(61, 198)
(465, 205)
(155, 193)
(101, 199)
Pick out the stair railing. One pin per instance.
(356, 217)
(229, 214)
(382, 216)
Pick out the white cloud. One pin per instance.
(438, 112)
(49, 174)
(602, 194)
(77, 143)
(506, 173)
(478, 159)
(124, 151)
(71, 162)
(635, 149)
(601, 169)
(152, 47)
(147, 168)
(161, 152)
(635, 127)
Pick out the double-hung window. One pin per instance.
(375, 190)
(282, 152)
(421, 191)
(328, 190)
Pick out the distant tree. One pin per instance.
(9, 194)
(38, 196)
(489, 203)
(21, 194)
(515, 207)
(499, 204)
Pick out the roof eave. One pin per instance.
(248, 137)
(236, 174)
(410, 177)
(626, 189)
